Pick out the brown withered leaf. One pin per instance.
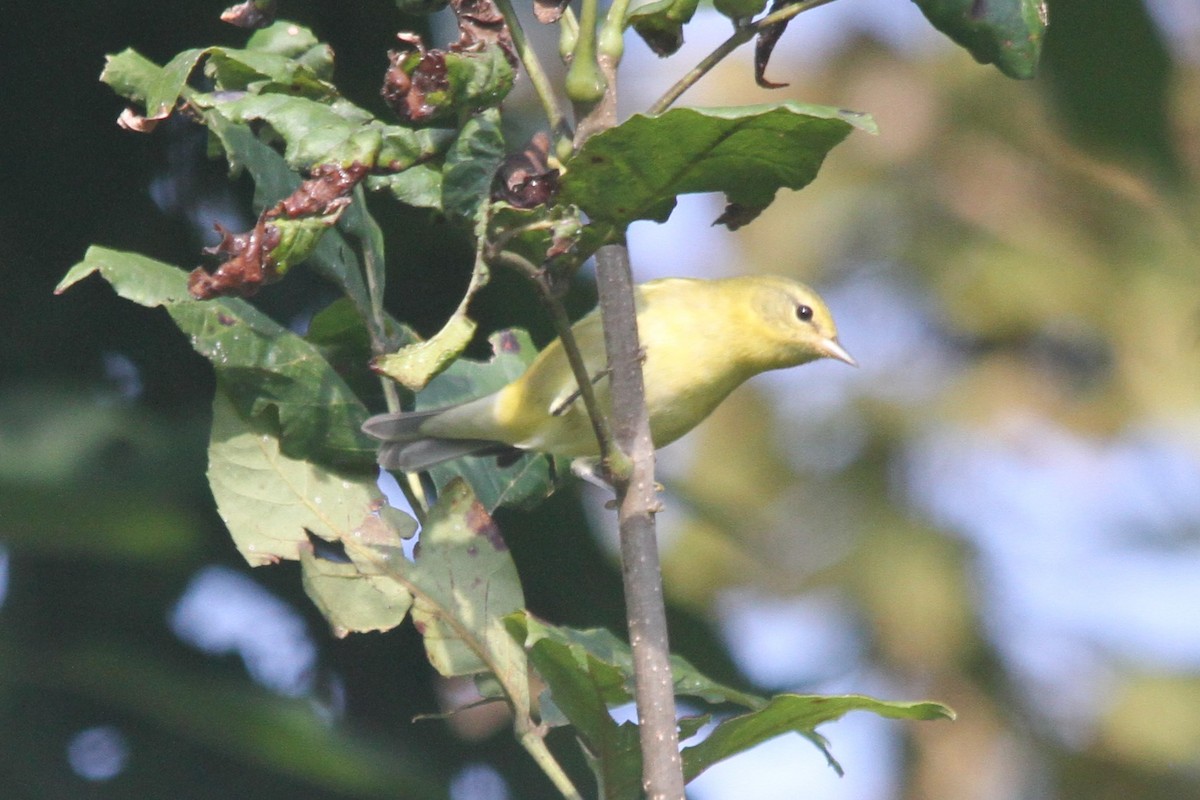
(736, 215)
(765, 46)
(251, 14)
(130, 120)
(326, 190)
(248, 262)
(410, 79)
(548, 11)
(525, 179)
(247, 268)
(480, 23)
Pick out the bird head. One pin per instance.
(794, 323)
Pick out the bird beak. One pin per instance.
(832, 349)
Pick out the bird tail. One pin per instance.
(407, 449)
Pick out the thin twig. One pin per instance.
(371, 243)
(742, 33)
(562, 326)
(555, 111)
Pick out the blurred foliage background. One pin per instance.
(999, 510)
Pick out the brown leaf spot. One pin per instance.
(480, 523)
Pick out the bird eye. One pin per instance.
(804, 313)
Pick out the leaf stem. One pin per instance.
(742, 33)
(370, 239)
(535, 744)
(555, 112)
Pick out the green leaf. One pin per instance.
(552, 235)
(419, 186)
(287, 39)
(298, 238)
(158, 88)
(661, 23)
(582, 686)
(414, 365)
(471, 165)
(283, 55)
(248, 473)
(313, 132)
(801, 714)
(635, 170)
(465, 582)
(264, 367)
(607, 648)
(590, 670)
(527, 480)
(295, 42)
(1007, 33)
(350, 600)
(480, 79)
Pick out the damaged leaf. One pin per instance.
(554, 237)
(466, 583)
(424, 86)
(480, 23)
(412, 366)
(526, 179)
(248, 468)
(285, 234)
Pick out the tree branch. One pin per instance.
(637, 502)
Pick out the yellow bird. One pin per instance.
(702, 339)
